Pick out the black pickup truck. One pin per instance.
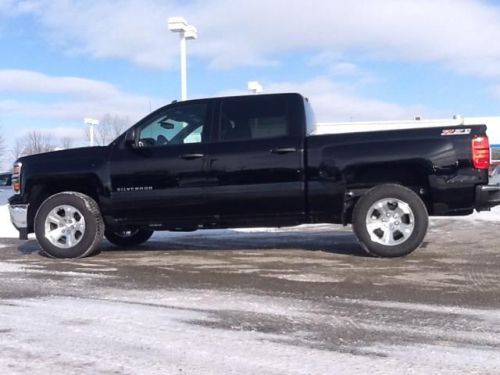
(251, 161)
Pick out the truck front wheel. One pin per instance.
(69, 225)
(128, 238)
(390, 221)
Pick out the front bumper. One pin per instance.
(487, 196)
(19, 217)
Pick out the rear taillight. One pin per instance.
(481, 153)
(16, 177)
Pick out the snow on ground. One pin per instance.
(247, 311)
(493, 215)
(7, 230)
(4, 196)
(120, 336)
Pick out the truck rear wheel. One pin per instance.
(69, 225)
(128, 238)
(390, 221)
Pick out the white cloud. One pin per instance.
(10, 8)
(344, 69)
(132, 30)
(76, 98)
(7, 7)
(460, 34)
(68, 98)
(333, 102)
(338, 68)
(23, 81)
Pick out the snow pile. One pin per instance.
(5, 194)
(7, 230)
(493, 215)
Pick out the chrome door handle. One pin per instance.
(285, 150)
(191, 156)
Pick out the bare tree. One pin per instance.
(66, 142)
(37, 143)
(32, 143)
(2, 148)
(17, 149)
(110, 127)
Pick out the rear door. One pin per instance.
(256, 164)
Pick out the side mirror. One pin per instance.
(130, 138)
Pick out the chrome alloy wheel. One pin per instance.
(390, 222)
(64, 226)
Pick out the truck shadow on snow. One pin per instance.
(342, 243)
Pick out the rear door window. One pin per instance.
(253, 118)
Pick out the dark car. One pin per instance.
(495, 176)
(5, 181)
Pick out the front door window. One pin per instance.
(177, 125)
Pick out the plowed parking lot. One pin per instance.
(302, 300)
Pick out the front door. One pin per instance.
(162, 177)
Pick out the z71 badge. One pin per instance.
(456, 131)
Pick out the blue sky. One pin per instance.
(64, 60)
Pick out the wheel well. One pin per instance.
(359, 180)
(41, 190)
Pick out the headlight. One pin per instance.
(16, 177)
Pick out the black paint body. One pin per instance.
(278, 181)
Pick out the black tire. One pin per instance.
(89, 237)
(376, 241)
(128, 238)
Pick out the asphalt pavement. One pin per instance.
(303, 300)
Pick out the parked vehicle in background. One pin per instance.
(249, 161)
(495, 176)
(5, 181)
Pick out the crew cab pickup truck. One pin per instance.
(251, 161)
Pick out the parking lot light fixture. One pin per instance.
(91, 123)
(186, 32)
(255, 87)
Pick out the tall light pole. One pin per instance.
(91, 123)
(186, 32)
